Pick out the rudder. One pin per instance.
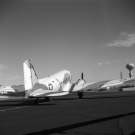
(30, 78)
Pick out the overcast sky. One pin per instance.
(96, 37)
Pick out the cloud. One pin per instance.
(100, 63)
(111, 61)
(103, 63)
(125, 40)
(2, 66)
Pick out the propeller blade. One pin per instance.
(82, 76)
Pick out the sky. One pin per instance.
(96, 37)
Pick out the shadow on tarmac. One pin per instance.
(78, 125)
(92, 97)
(132, 133)
(23, 103)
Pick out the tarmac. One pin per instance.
(98, 113)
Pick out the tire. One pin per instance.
(80, 94)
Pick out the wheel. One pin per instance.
(47, 99)
(36, 101)
(80, 94)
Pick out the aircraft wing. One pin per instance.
(128, 83)
(102, 84)
(45, 93)
(96, 86)
(112, 83)
(92, 86)
(87, 86)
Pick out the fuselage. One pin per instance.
(60, 81)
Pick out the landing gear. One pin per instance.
(36, 101)
(47, 99)
(80, 94)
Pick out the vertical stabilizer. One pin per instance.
(30, 78)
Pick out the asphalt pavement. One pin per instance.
(96, 114)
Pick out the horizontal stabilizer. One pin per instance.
(45, 93)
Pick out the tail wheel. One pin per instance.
(80, 94)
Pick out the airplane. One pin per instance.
(6, 90)
(14, 91)
(112, 85)
(58, 84)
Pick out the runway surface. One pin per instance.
(104, 113)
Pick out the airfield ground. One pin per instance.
(104, 113)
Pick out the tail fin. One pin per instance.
(30, 78)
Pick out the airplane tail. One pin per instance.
(30, 78)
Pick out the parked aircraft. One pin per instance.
(6, 90)
(12, 91)
(58, 84)
(112, 85)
